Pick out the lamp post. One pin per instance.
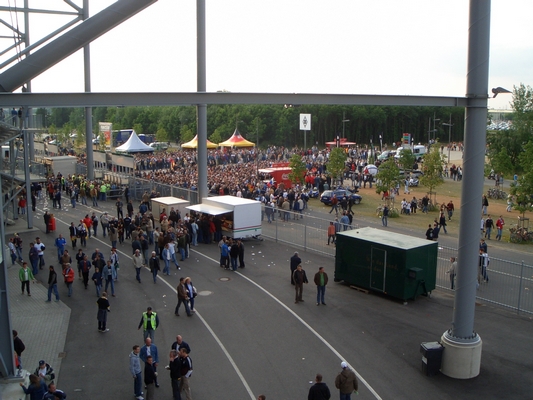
(371, 150)
(449, 125)
(344, 120)
(434, 130)
(381, 143)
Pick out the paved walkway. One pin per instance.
(42, 326)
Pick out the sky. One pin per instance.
(408, 47)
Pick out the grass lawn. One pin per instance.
(450, 190)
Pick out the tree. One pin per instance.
(387, 177)
(298, 169)
(433, 165)
(216, 137)
(187, 134)
(336, 163)
(501, 163)
(407, 159)
(138, 128)
(512, 141)
(523, 189)
(161, 135)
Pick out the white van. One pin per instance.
(418, 150)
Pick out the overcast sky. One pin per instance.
(408, 47)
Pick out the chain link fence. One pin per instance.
(510, 284)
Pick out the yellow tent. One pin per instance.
(193, 144)
(236, 140)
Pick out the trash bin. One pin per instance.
(431, 357)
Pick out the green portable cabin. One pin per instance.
(398, 265)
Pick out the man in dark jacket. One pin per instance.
(234, 254)
(175, 374)
(295, 261)
(52, 284)
(149, 377)
(299, 278)
(19, 347)
(346, 382)
(319, 391)
(321, 280)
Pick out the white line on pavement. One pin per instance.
(230, 359)
(328, 345)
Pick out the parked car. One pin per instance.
(328, 194)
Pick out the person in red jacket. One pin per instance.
(68, 274)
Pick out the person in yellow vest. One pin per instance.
(149, 323)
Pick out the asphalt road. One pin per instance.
(248, 337)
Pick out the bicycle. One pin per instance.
(519, 235)
(497, 194)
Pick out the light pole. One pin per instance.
(449, 125)
(344, 120)
(381, 143)
(434, 130)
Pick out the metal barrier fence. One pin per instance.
(510, 284)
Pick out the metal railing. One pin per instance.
(510, 284)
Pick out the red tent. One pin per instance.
(236, 140)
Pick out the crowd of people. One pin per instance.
(41, 381)
(179, 366)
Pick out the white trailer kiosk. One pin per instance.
(166, 203)
(241, 218)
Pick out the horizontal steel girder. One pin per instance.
(182, 99)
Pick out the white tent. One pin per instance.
(134, 145)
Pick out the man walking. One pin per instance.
(321, 280)
(135, 370)
(183, 297)
(451, 271)
(154, 265)
(138, 263)
(60, 243)
(489, 224)
(299, 278)
(346, 382)
(68, 274)
(385, 215)
(319, 391)
(499, 228)
(52, 284)
(25, 276)
(295, 261)
(149, 322)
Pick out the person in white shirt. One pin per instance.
(172, 248)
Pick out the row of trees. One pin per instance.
(270, 124)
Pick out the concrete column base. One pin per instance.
(460, 359)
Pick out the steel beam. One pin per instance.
(183, 99)
(67, 44)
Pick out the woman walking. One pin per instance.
(191, 291)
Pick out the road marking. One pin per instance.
(221, 345)
(328, 345)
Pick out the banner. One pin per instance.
(105, 128)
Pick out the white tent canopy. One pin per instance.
(134, 145)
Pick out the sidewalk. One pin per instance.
(42, 326)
